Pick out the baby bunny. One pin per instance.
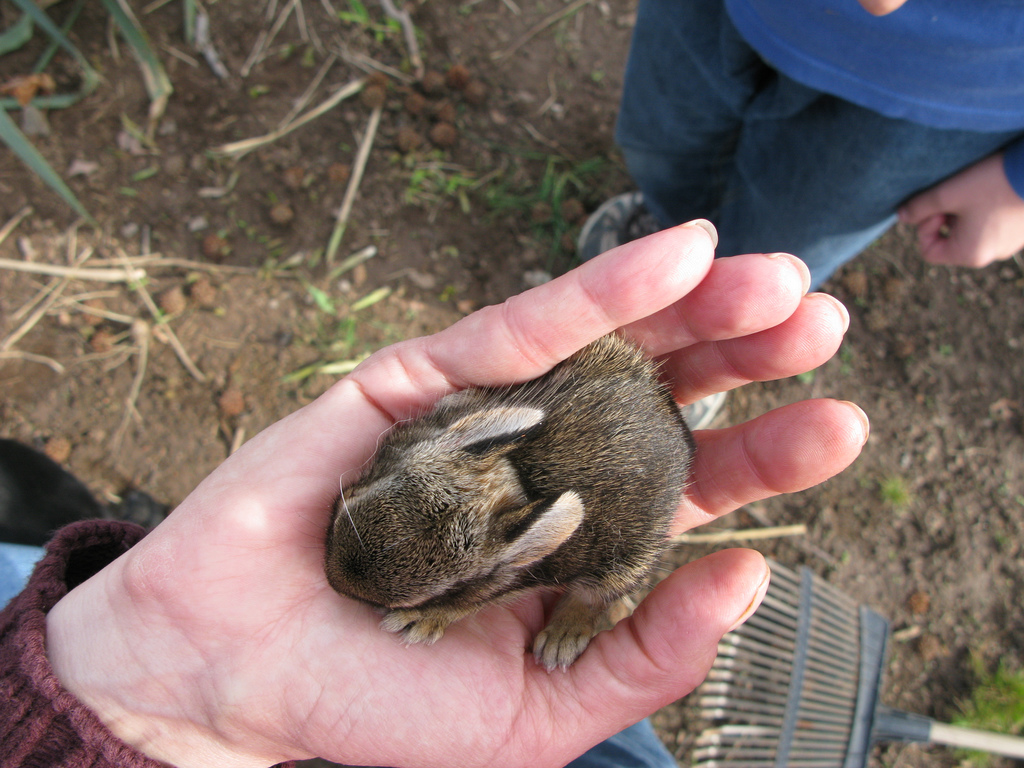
(567, 481)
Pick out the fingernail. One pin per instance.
(805, 273)
(840, 307)
(865, 422)
(708, 227)
(755, 602)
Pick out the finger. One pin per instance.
(739, 296)
(660, 653)
(529, 333)
(783, 451)
(514, 341)
(933, 236)
(805, 340)
(923, 206)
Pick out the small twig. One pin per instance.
(536, 29)
(368, 64)
(747, 534)
(204, 44)
(307, 95)
(300, 19)
(181, 55)
(331, 10)
(172, 338)
(265, 39)
(76, 273)
(44, 306)
(237, 440)
(409, 32)
(156, 261)
(140, 333)
(239, 148)
(17, 354)
(358, 166)
(15, 220)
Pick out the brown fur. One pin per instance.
(570, 480)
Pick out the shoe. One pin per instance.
(700, 414)
(618, 220)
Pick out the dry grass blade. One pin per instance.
(95, 274)
(54, 293)
(536, 29)
(13, 223)
(172, 338)
(746, 534)
(238, 149)
(409, 31)
(140, 333)
(17, 354)
(358, 167)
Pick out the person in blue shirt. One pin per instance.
(812, 126)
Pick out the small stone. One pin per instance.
(432, 82)
(58, 449)
(415, 104)
(374, 95)
(172, 301)
(215, 246)
(918, 602)
(282, 214)
(444, 135)
(101, 341)
(929, 647)
(408, 139)
(458, 77)
(475, 93)
(203, 293)
(97, 304)
(339, 173)
(231, 402)
(444, 112)
(294, 176)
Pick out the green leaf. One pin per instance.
(321, 299)
(90, 78)
(16, 35)
(26, 151)
(158, 85)
(371, 298)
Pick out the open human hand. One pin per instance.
(217, 641)
(970, 219)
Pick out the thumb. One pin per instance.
(666, 648)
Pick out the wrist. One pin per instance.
(137, 675)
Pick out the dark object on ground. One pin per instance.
(38, 496)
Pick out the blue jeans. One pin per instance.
(636, 747)
(709, 129)
(16, 564)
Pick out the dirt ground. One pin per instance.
(926, 527)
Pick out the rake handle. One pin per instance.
(896, 725)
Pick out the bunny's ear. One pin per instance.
(493, 428)
(542, 528)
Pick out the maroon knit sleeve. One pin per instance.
(40, 722)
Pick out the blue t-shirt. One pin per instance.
(940, 63)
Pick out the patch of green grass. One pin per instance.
(895, 492)
(360, 17)
(996, 704)
(544, 201)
